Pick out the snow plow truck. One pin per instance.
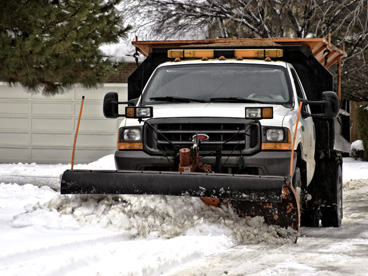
(252, 124)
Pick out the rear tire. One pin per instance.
(310, 218)
(326, 192)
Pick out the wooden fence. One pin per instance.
(355, 134)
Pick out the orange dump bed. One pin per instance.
(323, 50)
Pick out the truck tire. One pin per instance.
(309, 215)
(310, 218)
(326, 192)
(332, 213)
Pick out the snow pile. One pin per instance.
(20, 194)
(357, 145)
(138, 216)
(33, 173)
(47, 174)
(104, 163)
(44, 233)
(152, 217)
(357, 150)
(354, 170)
(352, 186)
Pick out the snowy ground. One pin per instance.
(44, 233)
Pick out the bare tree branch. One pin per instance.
(345, 20)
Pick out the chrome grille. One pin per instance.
(232, 136)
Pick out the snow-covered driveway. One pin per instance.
(43, 233)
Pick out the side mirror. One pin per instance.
(111, 105)
(329, 103)
(111, 108)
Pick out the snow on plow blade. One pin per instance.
(239, 187)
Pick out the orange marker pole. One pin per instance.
(292, 148)
(76, 132)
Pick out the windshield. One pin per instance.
(214, 82)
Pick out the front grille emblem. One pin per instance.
(202, 137)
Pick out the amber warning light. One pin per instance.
(225, 53)
(139, 111)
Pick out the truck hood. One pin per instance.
(213, 110)
(233, 110)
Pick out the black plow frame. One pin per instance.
(240, 187)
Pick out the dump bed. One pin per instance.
(320, 47)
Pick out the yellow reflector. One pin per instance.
(130, 146)
(130, 112)
(175, 54)
(276, 146)
(267, 113)
(199, 53)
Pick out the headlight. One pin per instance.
(144, 112)
(131, 135)
(276, 138)
(258, 113)
(253, 113)
(275, 135)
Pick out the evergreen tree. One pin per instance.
(51, 45)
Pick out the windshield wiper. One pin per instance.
(176, 99)
(234, 99)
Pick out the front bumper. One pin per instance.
(265, 162)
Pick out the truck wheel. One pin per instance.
(332, 214)
(309, 218)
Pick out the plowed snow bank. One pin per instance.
(154, 216)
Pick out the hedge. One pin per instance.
(363, 127)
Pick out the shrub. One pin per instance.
(357, 150)
(363, 127)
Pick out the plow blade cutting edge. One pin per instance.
(240, 187)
